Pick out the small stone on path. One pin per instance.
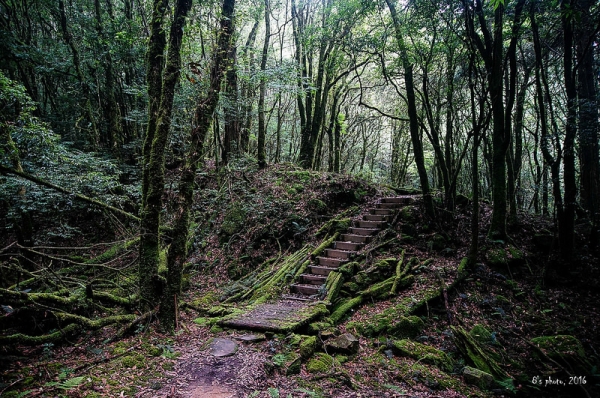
(222, 347)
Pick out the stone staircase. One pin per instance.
(310, 285)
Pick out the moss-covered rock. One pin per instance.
(423, 353)
(321, 363)
(481, 334)
(406, 327)
(437, 242)
(233, 220)
(344, 344)
(308, 346)
(477, 377)
(317, 327)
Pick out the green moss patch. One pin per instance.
(321, 363)
(423, 353)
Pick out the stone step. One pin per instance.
(369, 224)
(296, 298)
(331, 262)
(376, 217)
(312, 279)
(347, 245)
(385, 212)
(337, 253)
(353, 238)
(398, 199)
(307, 290)
(363, 231)
(389, 205)
(319, 270)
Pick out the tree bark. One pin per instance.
(262, 161)
(203, 118)
(150, 286)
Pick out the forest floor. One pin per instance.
(273, 213)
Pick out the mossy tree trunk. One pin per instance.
(262, 161)
(155, 168)
(203, 116)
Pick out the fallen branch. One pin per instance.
(81, 197)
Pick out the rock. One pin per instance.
(477, 377)
(481, 334)
(251, 338)
(321, 363)
(438, 242)
(308, 346)
(345, 344)
(222, 347)
(407, 327)
(423, 353)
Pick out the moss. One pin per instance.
(516, 256)
(207, 299)
(408, 214)
(335, 225)
(317, 205)
(168, 365)
(152, 350)
(308, 346)
(341, 309)
(423, 353)
(321, 363)
(481, 334)
(325, 244)
(234, 219)
(162, 263)
(133, 360)
(407, 327)
(348, 269)
(496, 256)
(202, 321)
(316, 327)
(216, 329)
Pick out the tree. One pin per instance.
(156, 139)
(203, 117)
(412, 112)
(491, 50)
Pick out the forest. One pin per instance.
(357, 197)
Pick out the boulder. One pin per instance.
(423, 353)
(346, 343)
(477, 377)
(222, 347)
(407, 327)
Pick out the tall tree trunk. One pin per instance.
(203, 117)
(262, 161)
(150, 239)
(589, 163)
(231, 133)
(566, 226)
(93, 135)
